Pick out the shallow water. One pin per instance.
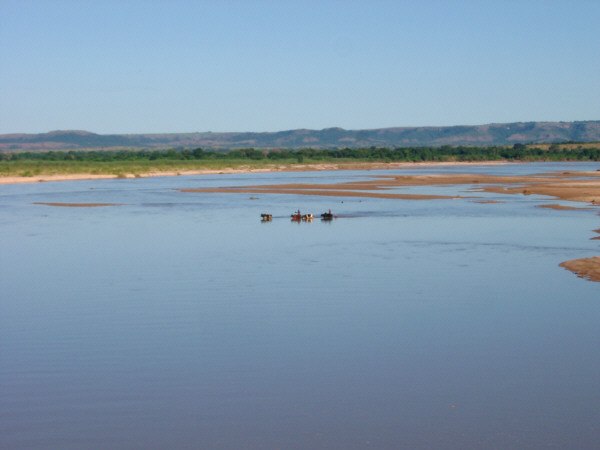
(179, 320)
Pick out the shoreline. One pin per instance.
(244, 169)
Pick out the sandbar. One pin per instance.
(316, 190)
(588, 268)
(60, 177)
(570, 186)
(557, 206)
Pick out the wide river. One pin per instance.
(180, 320)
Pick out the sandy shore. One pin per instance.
(242, 169)
(42, 178)
(588, 268)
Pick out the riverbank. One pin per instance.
(237, 169)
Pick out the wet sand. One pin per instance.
(318, 190)
(570, 186)
(44, 178)
(557, 206)
(588, 268)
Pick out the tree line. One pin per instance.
(448, 153)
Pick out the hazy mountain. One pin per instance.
(482, 135)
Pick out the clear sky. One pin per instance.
(143, 66)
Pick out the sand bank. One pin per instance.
(588, 268)
(43, 178)
(344, 192)
(570, 186)
(242, 169)
(557, 206)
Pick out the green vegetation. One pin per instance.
(134, 162)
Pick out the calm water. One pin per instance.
(179, 320)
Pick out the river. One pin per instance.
(180, 320)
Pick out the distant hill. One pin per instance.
(479, 135)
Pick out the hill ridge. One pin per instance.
(332, 137)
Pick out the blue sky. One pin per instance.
(143, 66)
